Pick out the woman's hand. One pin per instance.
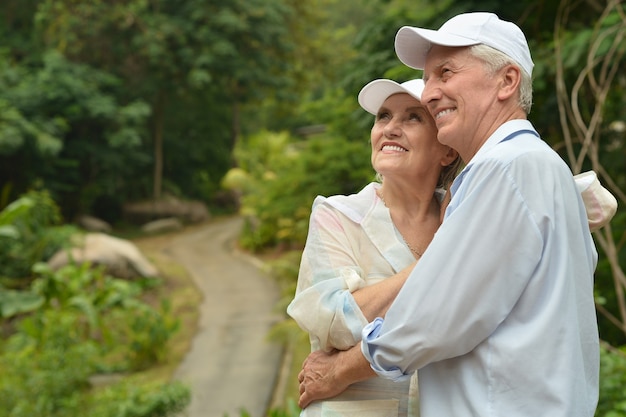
(325, 375)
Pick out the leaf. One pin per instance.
(14, 302)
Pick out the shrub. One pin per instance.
(30, 232)
(88, 322)
(612, 402)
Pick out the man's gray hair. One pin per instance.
(495, 60)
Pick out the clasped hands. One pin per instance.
(320, 377)
(328, 374)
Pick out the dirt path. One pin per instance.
(231, 366)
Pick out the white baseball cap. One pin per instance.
(374, 94)
(412, 44)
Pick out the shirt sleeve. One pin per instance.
(329, 273)
(467, 281)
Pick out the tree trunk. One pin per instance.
(158, 148)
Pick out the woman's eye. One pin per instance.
(382, 115)
(415, 116)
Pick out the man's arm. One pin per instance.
(374, 300)
(325, 375)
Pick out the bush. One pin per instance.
(45, 366)
(612, 402)
(112, 313)
(30, 232)
(88, 323)
(283, 177)
(128, 400)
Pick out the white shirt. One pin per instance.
(351, 243)
(498, 315)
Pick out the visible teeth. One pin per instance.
(393, 148)
(443, 113)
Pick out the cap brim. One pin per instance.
(373, 95)
(412, 44)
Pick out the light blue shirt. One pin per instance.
(498, 315)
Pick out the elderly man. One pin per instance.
(498, 316)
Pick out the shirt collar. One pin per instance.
(503, 132)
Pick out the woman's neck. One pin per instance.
(416, 216)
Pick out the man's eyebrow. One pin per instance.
(436, 68)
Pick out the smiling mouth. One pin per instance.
(393, 148)
(443, 113)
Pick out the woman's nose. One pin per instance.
(392, 129)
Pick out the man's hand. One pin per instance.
(318, 378)
(325, 375)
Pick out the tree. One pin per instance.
(590, 92)
(62, 128)
(164, 50)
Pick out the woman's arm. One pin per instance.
(374, 300)
(332, 302)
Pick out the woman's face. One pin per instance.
(404, 140)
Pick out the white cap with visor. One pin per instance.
(412, 44)
(374, 94)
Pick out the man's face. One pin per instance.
(461, 96)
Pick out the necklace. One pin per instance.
(417, 253)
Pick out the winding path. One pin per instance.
(231, 366)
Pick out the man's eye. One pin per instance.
(382, 115)
(415, 116)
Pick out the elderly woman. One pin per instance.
(360, 247)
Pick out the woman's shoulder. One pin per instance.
(354, 206)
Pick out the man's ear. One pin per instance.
(510, 77)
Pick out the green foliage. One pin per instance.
(89, 323)
(284, 178)
(13, 302)
(197, 63)
(111, 313)
(65, 128)
(612, 402)
(285, 271)
(45, 366)
(150, 400)
(148, 334)
(29, 232)
(20, 128)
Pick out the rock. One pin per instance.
(93, 224)
(162, 225)
(119, 257)
(185, 210)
